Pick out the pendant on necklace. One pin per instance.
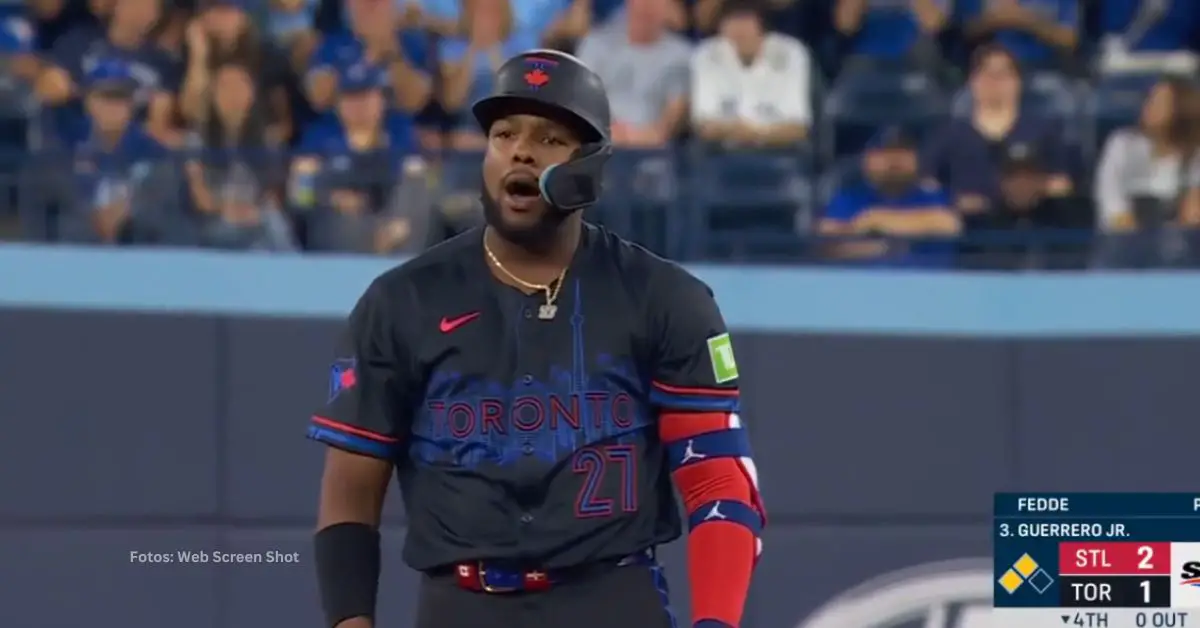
(547, 312)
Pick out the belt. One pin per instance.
(490, 577)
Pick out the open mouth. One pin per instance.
(522, 191)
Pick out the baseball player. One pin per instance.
(539, 386)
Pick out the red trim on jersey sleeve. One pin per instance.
(350, 429)
(696, 390)
(352, 438)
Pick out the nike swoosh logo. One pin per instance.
(450, 324)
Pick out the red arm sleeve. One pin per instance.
(724, 511)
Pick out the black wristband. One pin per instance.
(347, 570)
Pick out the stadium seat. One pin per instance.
(640, 196)
(748, 205)
(864, 99)
(372, 181)
(845, 172)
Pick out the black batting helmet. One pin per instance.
(558, 85)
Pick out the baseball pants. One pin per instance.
(633, 596)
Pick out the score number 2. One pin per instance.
(593, 463)
(1145, 557)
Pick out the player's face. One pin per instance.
(519, 149)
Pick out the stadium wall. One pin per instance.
(156, 403)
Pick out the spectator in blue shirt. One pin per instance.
(349, 168)
(1149, 25)
(964, 156)
(126, 38)
(889, 29)
(113, 158)
(374, 38)
(889, 217)
(363, 136)
(1039, 33)
(469, 64)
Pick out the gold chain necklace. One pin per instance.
(547, 310)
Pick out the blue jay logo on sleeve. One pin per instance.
(342, 376)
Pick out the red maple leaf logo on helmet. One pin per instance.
(536, 78)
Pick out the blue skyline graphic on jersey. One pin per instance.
(495, 422)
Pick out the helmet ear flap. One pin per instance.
(578, 182)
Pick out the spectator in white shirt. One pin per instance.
(1149, 175)
(750, 87)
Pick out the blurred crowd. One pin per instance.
(999, 134)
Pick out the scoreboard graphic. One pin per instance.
(1097, 560)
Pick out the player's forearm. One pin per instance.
(353, 489)
(721, 558)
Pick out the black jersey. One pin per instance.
(517, 437)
